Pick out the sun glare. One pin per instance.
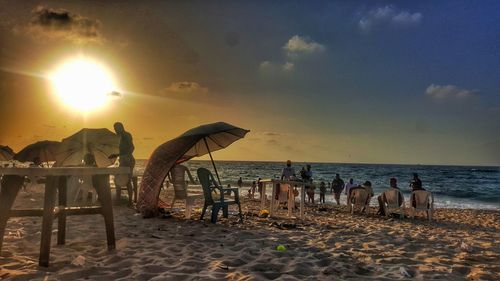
(83, 84)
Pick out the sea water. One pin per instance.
(453, 186)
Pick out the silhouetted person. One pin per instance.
(416, 183)
(337, 187)
(126, 159)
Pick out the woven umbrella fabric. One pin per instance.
(188, 145)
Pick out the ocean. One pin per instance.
(453, 186)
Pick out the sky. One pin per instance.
(409, 82)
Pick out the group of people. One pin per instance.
(337, 186)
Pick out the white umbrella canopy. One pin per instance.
(44, 150)
(6, 153)
(100, 142)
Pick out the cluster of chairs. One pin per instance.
(392, 200)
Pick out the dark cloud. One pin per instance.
(115, 94)
(62, 24)
(272, 142)
(184, 88)
(232, 39)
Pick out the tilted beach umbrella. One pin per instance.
(44, 150)
(6, 153)
(196, 142)
(102, 143)
(212, 137)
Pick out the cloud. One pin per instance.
(184, 89)
(388, 15)
(267, 66)
(298, 45)
(62, 24)
(449, 92)
(288, 66)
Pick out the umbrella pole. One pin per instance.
(213, 163)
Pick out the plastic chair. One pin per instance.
(422, 201)
(358, 199)
(391, 199)
(209, 185)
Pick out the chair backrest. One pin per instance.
(421, 199)
(283, 195)
(179, 182)
(206, 179)
(360, 196)
(392, 197)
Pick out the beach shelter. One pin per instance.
(6, 153)
(102, 143)
(196, 142)
(45, 150)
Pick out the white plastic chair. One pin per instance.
(283, 194)
(80, 186)
(359, 199)
(181, 190)
(391, 201)
(424, 202)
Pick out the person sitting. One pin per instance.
(368, 187)
(383, 200)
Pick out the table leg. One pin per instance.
(263, 196)
(51, 185)
(101, 184)
(135, 184)
(61, 219)
(302, 200)
(10, 187)
(273, 192)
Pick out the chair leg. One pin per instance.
(240, 213)
(203, 211)
(215, 213)
(225, 211)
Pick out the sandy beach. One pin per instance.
(330, 244)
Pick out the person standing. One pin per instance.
(322, 192)
(337, 187)
(288, 172)
(307, 175)
(240, 183)
(348, 187)
(125, 157)
(416, 183)
(252, 189)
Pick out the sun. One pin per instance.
(83, 84)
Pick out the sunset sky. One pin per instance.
(413, 82)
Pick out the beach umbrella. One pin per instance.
(196, 142)
(6, 153)
(102, 143)
(45, 150)
(212, 137)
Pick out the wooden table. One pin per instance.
(291, 197)
(12, 181)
